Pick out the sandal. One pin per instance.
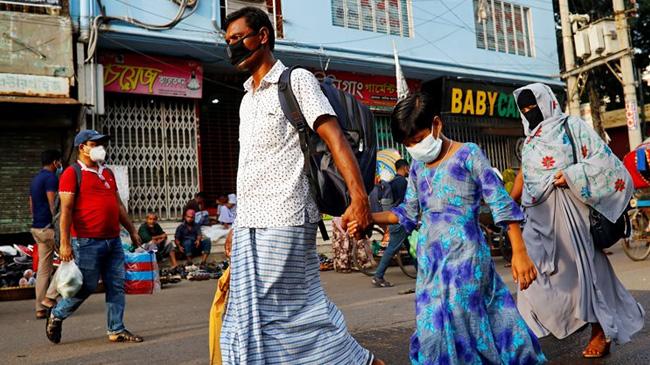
(41, 314)
(125, 336)
(381, 283)
(604, 350)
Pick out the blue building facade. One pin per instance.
(475, 52)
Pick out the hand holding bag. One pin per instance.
(603, 232)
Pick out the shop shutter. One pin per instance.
(156, 138)
(20, 160)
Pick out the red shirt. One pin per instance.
(96, 212)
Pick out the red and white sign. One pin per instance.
(632, 115)
(166, 76)
(369, 89)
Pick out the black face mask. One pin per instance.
(534, 116)
(238, 52)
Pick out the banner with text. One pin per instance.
(165, 76)
(372, 90)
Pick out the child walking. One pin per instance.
(464, 311)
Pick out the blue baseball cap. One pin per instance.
(89, 135)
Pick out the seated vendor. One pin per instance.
(190, 241)
(152, 234)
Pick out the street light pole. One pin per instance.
(627, 71)
(573, 95)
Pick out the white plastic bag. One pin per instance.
(68, 279)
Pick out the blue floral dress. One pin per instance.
(464, 312)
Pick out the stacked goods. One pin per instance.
(141, 273)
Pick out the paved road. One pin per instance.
(174, 323)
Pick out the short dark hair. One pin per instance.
(413, 114)
(401, 163)
(256, 18)
(200, 194)
(49, 156)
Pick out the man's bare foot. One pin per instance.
(598, 345)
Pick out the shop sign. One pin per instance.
(34, 85)
(165, 76)
(480, 100)
(372, 90)
(49, 3)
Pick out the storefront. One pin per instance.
(483, 113)
(151, 114)
(37, 111)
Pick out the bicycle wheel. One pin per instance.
(406, 262)
(637, 246)
(362, 257)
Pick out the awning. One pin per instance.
(37, 100)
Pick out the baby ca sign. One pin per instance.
(480, 99)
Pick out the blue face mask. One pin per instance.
(427, 149)
(59, 170)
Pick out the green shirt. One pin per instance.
(146, 233)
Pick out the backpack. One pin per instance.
(358, 125)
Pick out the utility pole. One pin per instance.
(627, 71)
(573, 95)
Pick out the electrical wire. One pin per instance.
(94, 30)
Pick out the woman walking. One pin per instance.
(576, 283)
(465, 313)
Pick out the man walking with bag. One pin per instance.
(278, 312)
(91, 214)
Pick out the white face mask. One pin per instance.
(97, 154)
(427, 149)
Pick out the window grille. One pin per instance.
(380, 16)
(503, 27)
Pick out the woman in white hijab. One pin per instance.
(576, 284)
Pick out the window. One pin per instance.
(503, 27)
(381, 16)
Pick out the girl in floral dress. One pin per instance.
(464, 311)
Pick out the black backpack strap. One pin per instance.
(291, 109)
(567, 130)
(77, 171)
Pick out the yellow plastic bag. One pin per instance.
(217, 311)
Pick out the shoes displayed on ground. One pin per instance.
(53, 328)
(198, 275)
(326, 264)
(125, 336)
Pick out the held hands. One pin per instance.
(523, 270)
(354, 230)
(359, 213)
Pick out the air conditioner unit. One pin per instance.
(581, 43)
(612, 43)
(596, 39)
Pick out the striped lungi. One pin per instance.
(277, 310)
